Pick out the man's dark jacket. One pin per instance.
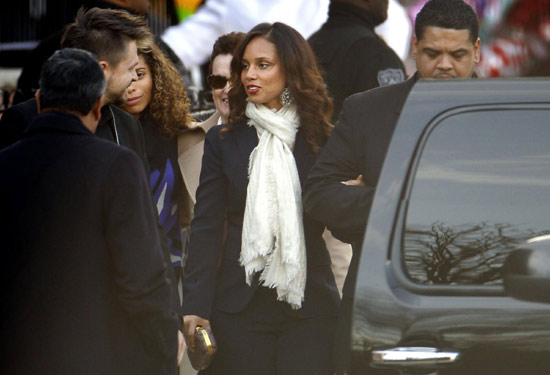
(357, 146)
(84, 283)
(353, 57)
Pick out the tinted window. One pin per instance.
(482, 188)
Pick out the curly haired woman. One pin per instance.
(159, 100)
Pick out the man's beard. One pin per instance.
(116, 98)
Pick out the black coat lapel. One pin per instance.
(247, 139)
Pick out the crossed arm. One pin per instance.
(336, 192)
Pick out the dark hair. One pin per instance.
(303, 78)
(226, 45)
(71, 80)
(447, 14)
(105, 33)
(169, 104)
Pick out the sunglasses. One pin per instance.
(216, 81)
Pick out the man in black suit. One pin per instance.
(341, 185)
(84, 283)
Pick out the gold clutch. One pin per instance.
(205, 347)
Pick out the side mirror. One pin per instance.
(526, 272)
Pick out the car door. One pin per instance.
(462, 187)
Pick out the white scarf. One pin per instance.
(273, 232)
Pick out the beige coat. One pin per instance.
(190, 151)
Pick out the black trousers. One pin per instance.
(269, 338)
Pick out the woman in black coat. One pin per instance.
(258, 271)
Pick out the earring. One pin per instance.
(286, 97)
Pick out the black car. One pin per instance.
(454, 274)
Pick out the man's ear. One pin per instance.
(105, 66)
(96, 109)
(477, 50)
(37, 96)
(414, 42)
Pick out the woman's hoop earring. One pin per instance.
(286, 97)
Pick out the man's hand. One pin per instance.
(181, 347)
(357, 182)
(190, 322)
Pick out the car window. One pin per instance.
(481, 188)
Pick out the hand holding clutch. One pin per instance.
(205, 347)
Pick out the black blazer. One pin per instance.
(84, 282)
(213, 276)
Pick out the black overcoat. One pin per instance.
(84, 283)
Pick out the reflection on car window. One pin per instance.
(482, 188)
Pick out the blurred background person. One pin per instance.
(159, 100)
(353, 57)
(275, 319)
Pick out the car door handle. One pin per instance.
(413, 356)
